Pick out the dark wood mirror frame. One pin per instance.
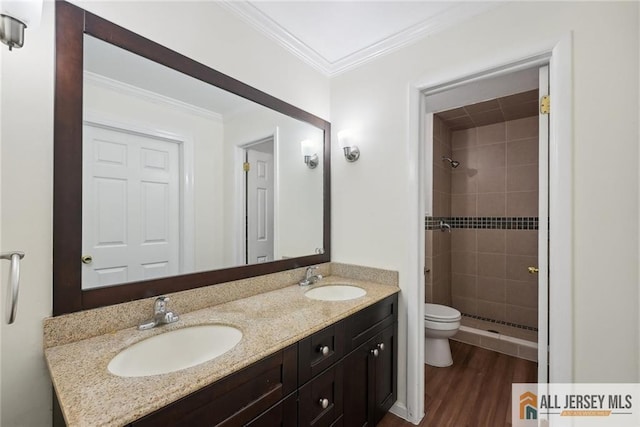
(72, 23)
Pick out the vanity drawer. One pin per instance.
(326, 387)
(319, 351)
(236, 399)
(284, 414)
(363, 325)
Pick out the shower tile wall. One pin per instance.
(438, 244)
(497, 177)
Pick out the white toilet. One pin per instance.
(440, 323)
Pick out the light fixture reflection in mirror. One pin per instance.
(346, 141)
(309, 152)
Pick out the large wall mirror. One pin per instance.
(169, 175)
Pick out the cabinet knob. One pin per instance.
(324, 403)
(324, 349)
(375, 352)
(533, 270)
(381, 346)
(87, 259)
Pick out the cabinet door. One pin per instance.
(320, 401)
(386, 368)
(359, 387)
(284, 414)
(370, 387)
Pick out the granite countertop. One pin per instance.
(90, 396)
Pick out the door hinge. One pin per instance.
(246, 166)
(545, 104)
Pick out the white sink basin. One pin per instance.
(174, 350)
(335, 293)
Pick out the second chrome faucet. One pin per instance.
(160, 315)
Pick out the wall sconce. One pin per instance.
(309, 153)
(346, 139)
(15, 16)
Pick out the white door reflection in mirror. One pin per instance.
(131, 193)
(260, 201)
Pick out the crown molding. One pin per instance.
(260, 21)
(275, 31)
(154, 97)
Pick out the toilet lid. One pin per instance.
(441, 313)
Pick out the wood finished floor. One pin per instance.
(474, 392)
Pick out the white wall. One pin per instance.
(26, 155)
(375, 99)
(213, 37)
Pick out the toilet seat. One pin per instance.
(441, 313)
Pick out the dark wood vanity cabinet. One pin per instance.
(370, 379)
(369, 383)
(371, 366)
(235, 400)
(283, 414)
(342, 376)
(319, 351)
(320, 401)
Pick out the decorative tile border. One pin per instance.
(501, 322)
(493, 223)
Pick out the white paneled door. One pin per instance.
(260, 187)
(131, 207)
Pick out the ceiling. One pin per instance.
(335, 36)
(512, 107)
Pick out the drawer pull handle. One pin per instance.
(381, 346)
(375, 352)
(324, 349)
(324, 403)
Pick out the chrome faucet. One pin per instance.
(160, 315)
(309, 277)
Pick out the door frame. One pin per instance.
(187, 195)
(240, 201)
(559, 54)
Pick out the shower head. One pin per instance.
(453, 163)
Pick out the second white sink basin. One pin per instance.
(335, 293)
(174, 350)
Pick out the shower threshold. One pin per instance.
(497, 337)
